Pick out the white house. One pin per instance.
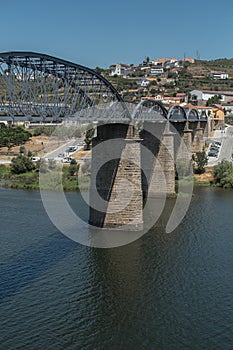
(217, 75)
(155, 71)
(119, 69)
(144, 82)
(203, 95)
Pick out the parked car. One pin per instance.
(66, 160)
(213, 153)
(213, 148)
(216, 144)
(71, 149)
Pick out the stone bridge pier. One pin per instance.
(205, 125)
(182, 148)
(157, 159)
(116, 197)
(182, 140)
(197, 136)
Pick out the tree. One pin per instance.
(22, 150)
(89, 137)
(73, 168)
(21, 164)
(13, 136)
(223, 174)
(216, 99)
(29, 154)
(200, 160)
(73, 161)
(98, 70)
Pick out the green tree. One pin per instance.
(73, 167)
(223, 174)
(13, 136)
(88, 137)
(21, 164)
(216, 99)
(29, 154)
(200, 160)
(22, 150)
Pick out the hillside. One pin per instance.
(187, 77)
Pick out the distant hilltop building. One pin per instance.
(158, 61)
(119, 69)
(158, 64)
(171, 62)
(199, 96)
(217, 75)
(187, 59)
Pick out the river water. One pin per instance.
(163, 291)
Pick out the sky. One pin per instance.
(101, 33)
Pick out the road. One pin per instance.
(62, 150)
(226, 149)
(3, 161)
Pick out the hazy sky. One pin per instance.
(99, 33)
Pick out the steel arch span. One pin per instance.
(149, 110)
(38, 85)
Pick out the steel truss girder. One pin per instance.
(38, 84)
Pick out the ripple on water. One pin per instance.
(164, 291)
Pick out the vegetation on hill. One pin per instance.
(181, 79)
(13, 136)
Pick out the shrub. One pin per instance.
(223, 174)
(73, 169)
(200, 160)
(22, 150)
(21, 164)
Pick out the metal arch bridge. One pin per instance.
(152, 110)
(39, 87)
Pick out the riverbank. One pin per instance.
(206, 178)
(30, 180)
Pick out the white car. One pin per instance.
(66, 160)
(35, 159)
